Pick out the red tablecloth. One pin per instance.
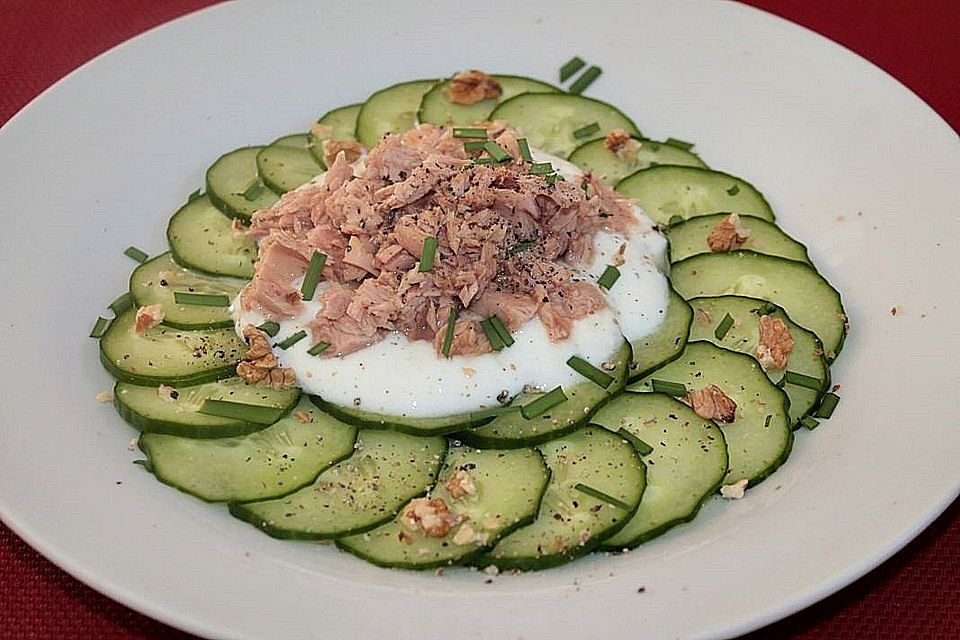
(914, 595)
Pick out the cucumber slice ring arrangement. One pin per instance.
(607, 469)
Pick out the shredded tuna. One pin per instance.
(148, 317)
(728, 235)
(351, 149)
(712, 403)
(775, 343)
(260, 366)
(471, 86)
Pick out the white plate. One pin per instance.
(853, 163)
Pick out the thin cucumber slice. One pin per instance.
(235, 186)
(145, 409)
(689, 238)
(665, 193)
(572, 522)
(286, 163)
(805, 358)
(507, 489)
(511, 430)
(355, 495)
(269, 463)
(157, 280)
(164, 355)
(414, 426)
(804, 294)
(666, 343)
(390, 110)
(686, 466)
(756, 446)
(436, 108)
(612, 167)
(340, 124)
(203, 239)
(548, 120)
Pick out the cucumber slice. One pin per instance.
(743, 335)
(666, 343)
(804, 294)
(235, 187)
(355, 495)
(756, 447)
(548, 120)
(508, 488)
(667, 192)
(689, 238)
(571, 523)
(686, 466)
(286, 163)
(266, 464)
(390, 110)
(164, 355)
(511, 430)
(202, 238)
(343, 125)
(143, 407)
(611, 168)
(436, 108)
(156, 281)
(440, 425)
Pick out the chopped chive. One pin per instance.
(590, 372)
(448, 335)
(121, 304)
(492, 336)
(474, 145)
(827, 405)
(520, 247)
(193, 196)
(674, 220)
(586, 79)
(675, 389)
(146, 464)
(802, 380)
(318, 348)
(497, 152)
(570, 67)
(809, 422)
(258, 414)
(600, 495)
(723, 327)
(469, 132)
(429, 253)
(312, 277)
(766, 421)
(734, 190)
(609, 277)
(541, 168)
(525, 150)
(492, 412)
(642, 447)
(270, 328)
(484, 160)
(136, 254)
(543, 404)
(679, 144)
(201, 299)
(553, 177)
(291, 340)
(100, 327)
(586, 188)
(766, 309)
(254, 190)
(586, 131)
(501, 330)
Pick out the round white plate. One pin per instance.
(853, 163)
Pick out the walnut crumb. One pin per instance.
(303, 417)
(238, 229)
(431, 515)
(472, 86)
(774, 344)
(104, 396)
(464, 535)
(728, 235)
(702, 316)
(260, 365)
(619, 143)
(894, 310)
(460, 484)
(734, 491)
(168, 394)
(712, 403)
(491, 570)
(148, 317)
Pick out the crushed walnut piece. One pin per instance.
(775, 343)
(464, 535)
(712, 403)
(472, 86)
(619, 258)
(728, 235)
(104, 396)
(351, 149)
(619, 143)
(148, 317)
(303, 417)
(702, 316)
(169, 394)
(432, 515)
(460, 484)
(260, 366)
(734, 491)
(238, 229)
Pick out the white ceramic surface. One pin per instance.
(853, 163)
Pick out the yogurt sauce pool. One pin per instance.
(405, 377)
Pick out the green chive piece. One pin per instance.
(642, 447)
(448, 335)
(675, 389)
(270, 328)
(766, 421)
(492, 412)
(600, 495)
(802, 380)
(291, 340)
(609, 277)
(146, 464)
(318, 348)
(121, 304)
(474, 145)
(586, 79)
(193, 196)
(810, 423)
(553, 177)
(497, 152)
(520, 247)
(201, 299)
(674, 220)
(469, 132)
(679, 144)
(590, 372)
(254, 190)
(312, 278)
(827, 405)
(525, 150)
(258, 414)
(100, 327)
(541, 168)
(734, 190)
(570, 67)
(543, 404)
(484, 160)
(429, 253)
(501, 330)
(136, 254)
(586, 131)
(723, 327)
(492, 336)
(765, 310)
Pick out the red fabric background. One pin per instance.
(914, 595)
